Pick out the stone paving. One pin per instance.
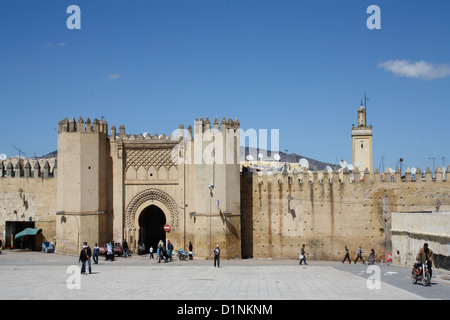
(36, 275)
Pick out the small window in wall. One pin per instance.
(362, 145)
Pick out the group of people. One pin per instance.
(166, 254)
(162, 253)
(425, 254)
(86, 254)
(371, 259)
(302, 256)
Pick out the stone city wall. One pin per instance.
(328, 211)
(27, 198)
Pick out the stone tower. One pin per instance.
(216, 184)
(83, 160)
(362, 141)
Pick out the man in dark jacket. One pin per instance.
(170, 250)
(124, 248)
(82, 259)
(426, 254)
(88, 255)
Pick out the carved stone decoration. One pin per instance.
(151, 194)
(157, 157)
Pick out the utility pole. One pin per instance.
(285, 158)
(382, 164)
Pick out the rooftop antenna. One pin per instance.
(433, 158)
(442, 158)
(365, 100)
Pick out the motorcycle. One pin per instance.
(182, 255)
(421, 273)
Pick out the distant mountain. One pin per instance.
(51, 155)
(289, 157)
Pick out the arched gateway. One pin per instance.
(146, 216)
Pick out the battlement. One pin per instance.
(201, 126)
(28, 168)
(142, 137)
(227, 125)
(66, 125)
(344, 175)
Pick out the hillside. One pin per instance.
(289, 157)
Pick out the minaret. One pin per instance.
(362, 142)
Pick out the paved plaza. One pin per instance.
(36, 275)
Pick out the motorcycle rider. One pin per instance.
(426, 254)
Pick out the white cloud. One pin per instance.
(420, 69)
(113, 76)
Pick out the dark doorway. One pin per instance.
(151, 228)
(14, 227)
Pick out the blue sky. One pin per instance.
(298, 66)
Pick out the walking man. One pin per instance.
(303, 255)
(96, 252)
(124, 248)
(170, 250)
(88, 255)
(347, 255)
(82, 259)
(151, 252)
(217, 256)
(359, 256)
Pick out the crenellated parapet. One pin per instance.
(200, 127)
(344, 175)
(28, 168)
(66, 125)
(203, 126)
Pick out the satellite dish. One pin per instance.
(2, 156)
(343, 164)
(357, 164)
(249, 157)
(391, 170)
(145, 134)
(303, 162)
(260, 156)
(276, 157)
(329, 169)
(350, 167)
(413, 170)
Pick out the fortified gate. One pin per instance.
(143, 189)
